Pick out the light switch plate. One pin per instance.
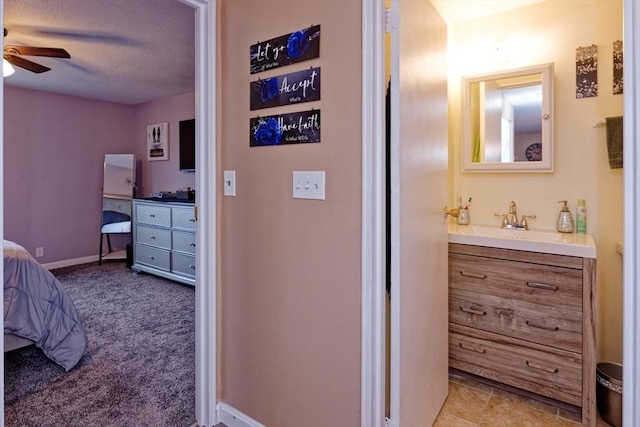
(308, 185)
(229, 183)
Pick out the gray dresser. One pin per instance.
(164, 240)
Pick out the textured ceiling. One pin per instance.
(125, 51)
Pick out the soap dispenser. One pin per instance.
(565, 220)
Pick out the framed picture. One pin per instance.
(158, 141)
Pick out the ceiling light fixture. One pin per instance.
(7, 69)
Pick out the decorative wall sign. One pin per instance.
(289, 128)
(289, 49)
(587, 71)
(617, 68)
(158, 141)
(293, 88)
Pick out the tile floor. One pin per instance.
(474, 404)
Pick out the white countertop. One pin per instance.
(551, 242)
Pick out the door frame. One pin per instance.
(631, 293)
(373, 216)
(206, 232)
(206, 369)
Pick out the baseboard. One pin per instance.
(231, 417)
(70, 262)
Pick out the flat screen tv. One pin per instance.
(188, 145)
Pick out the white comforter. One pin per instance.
(37, 307)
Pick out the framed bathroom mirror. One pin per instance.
(507, 121)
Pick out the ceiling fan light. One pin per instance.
(7, 69)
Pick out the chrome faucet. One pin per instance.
(510, 220)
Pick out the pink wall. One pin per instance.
(290, 269)
(164, 175)
(54, 147)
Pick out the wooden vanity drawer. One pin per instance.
(153, 214)
(546, 371)
(535, 283)
(550, 326)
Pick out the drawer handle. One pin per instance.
(191, 266)
(152, 237)
(151, 257)
(539, 326)
(192, 244)
(473, 275)
(152, 215)
(471, 348)
(542, 368)
(192, 220)
(473, 311)
(542, 286)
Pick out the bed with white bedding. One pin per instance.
(37, 309)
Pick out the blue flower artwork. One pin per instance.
(267, 132)
(293, 88)
(289, 128)
(287, 49)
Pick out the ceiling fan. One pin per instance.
(13, 55)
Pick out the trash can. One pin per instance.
(609, 392)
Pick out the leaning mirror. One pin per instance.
(507, 120)
(117, 192)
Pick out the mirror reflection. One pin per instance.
(117, 192)
(507, 120)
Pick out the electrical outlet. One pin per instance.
(39, 252)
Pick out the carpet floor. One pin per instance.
(139, 369)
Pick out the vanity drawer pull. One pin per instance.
(542, 286)
(471, 348)
(473, 311)
(539, 326)
(473, 275)
(542, 368)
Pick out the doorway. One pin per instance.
(206, 233)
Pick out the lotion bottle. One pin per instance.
(581, 217)
(565, 220)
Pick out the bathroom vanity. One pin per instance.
(522, 311)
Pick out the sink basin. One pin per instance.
(572, 244)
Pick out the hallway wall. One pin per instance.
(290, 269)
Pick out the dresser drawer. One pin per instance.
(184, 264)
(182, 218)
(155, 257)
(549, 372)
(550, 326)
(153, 236)
(541, 284)
(184, 242)
(153, 214)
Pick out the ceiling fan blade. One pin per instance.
(26, 64)
(38, 51)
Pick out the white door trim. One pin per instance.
(373, 217)
(631, 298)
(206, 232)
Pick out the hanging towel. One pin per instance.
(614, 141)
